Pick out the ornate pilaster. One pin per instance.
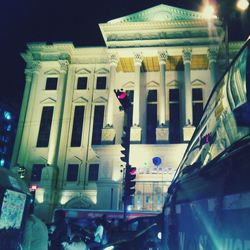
(135, 132)
(188, 128)
(212, 54)
(54, 141)
(162, 130)
(108, 132)
(32, 75)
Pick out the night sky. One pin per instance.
(23, 21)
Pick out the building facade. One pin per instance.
(70, 125)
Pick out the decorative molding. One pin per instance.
(128, 85)
(212, 54)
(187, 55)
(197, 83)
(174, 83)
(163, 56)
(100, 99)
(113, 59)
(101, 71)
(82, 71)
(138, 58)
(152, 85)
(80, 100)
(63, 66)
(48, 100)
(52, 72)
(36, 66)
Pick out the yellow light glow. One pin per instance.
(40, 195)
(208, 12)
(64, 199)
(242, 5)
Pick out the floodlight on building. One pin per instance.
(208, 12)
(242, 5)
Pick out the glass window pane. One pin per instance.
(45, 126)
(51, 83)
(93, 172)
(174, 95)
(98, 125)
(152, 96)
(76, 138)
(101, 82)
(197, 94)
(72, 172)
(82, 82)
(37, 172)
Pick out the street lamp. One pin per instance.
(209, 13)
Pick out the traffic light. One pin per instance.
(208, 138)
(129, 185)
(125, 144)
(123, 99)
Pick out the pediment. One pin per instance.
(174, 83)
(80, 100)
(128, 85)
(101, 71)
(100, 99)
(48, 100)
(52, 72)
(152, 85)
(160, 13)
(83, 71)
(197, 83)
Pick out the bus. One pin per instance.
(207, 205)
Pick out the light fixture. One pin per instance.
(242, 5)
(208, 11)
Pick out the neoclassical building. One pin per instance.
(70, 126)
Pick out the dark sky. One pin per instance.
(23, 21)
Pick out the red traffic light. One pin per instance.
(121, 94)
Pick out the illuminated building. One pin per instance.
(70, 126)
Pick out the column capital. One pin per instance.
(113, 59)
(35, 66)
(163, 56)
(212, 54)
(63, 66)
(28, 75)
(138, 57)
(187, 55)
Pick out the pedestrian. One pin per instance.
(60, 233)
(35, 233)
(98, 235)
(76, 243)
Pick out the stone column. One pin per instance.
(58, 115)
(212, 54)
(50, 172)
(35, 70)
(135, 132)
(162, 131)
(108, 133)
(20, 126)
(188, 129)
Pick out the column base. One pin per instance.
(135, 134)
(188, 132)
(108, 136)
(162, 135)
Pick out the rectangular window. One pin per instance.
(174, 116)
(82, 82)
(197, 99)
(151, 116)
(76, 137)
(45, 127)
(93, 172)
(51, 83)
(36, 173)
(72, 172)
(97, 125)
(101, 82)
